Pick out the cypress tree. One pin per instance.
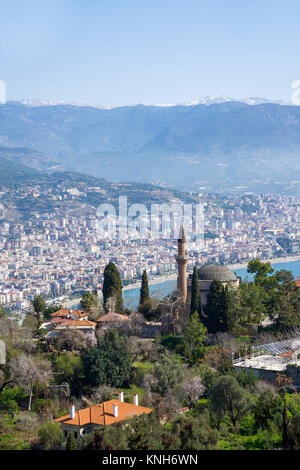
(71, 444)
(195, 294)
(224, 310)
(144, 292)
(112, 286)
(214, 307)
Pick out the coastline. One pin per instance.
(289, 259)
(173, 276)
(151, 282)
(136, 285)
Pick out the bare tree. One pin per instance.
(96, 310)
(20, 337)
(173, 314)
(71, 340)
(262, 386)
(149, 382)
(171, 406)
(135, 348)
(134, 325)
(192, 390)
(30, 370)
(102, 393)
(110, 304)
(142, 349)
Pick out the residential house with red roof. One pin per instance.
(66, 319)
(80, 422)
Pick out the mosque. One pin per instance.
(206, 274)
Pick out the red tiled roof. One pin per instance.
(66, 312)
(112, 317)
(102, 414)
(286, 354)
(70, 322)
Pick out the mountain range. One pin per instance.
(211, 144)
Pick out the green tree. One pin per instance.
(168, 372)
(50, 435)
(144, 292)
(10, 397)
(88, 299)
(195, 294)
(262, 272)
(108, 363)
(49, 310)
(226, 397)
(145, 433)
(216, 308)
(106, 438)
(39, 306)
(70, 369)
(264, 277)
(267, 409)
(70, 444)
(3, 313)
(293, 433)
(287, 302)
(194, 336)
(195, 433)
(246, 305)
(112, 286)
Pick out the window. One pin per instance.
(75, 435)
(66, 433)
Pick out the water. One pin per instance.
(131, 297)
(293, 266)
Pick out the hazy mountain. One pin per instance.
(219, 146)
(30, 158)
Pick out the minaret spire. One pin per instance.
(182, 260)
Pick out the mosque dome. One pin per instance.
(216, 271)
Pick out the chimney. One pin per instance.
(121, 396)
(136, 399)
(115, 408)
(72, 412)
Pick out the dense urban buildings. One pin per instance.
(59, 255)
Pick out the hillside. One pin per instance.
(27, 192)
(223, 146)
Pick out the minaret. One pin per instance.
(182, 260)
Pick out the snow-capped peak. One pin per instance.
(207, 100)
(204, 100)
(35, 102)
(251, 100)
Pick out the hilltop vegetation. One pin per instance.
(199, 400)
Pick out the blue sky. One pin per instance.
(116, 52)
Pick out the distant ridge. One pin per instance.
(224, 145)
(206, 100)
